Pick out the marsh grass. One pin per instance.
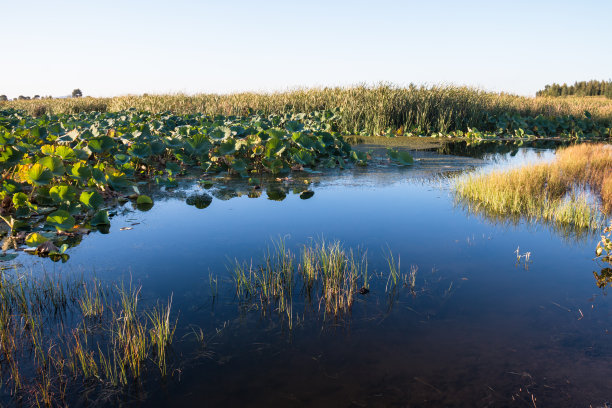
(365, 109)
(325, 275)
(573, 190)
(60, 334)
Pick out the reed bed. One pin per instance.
(364, 109)
(325, 274)
(575, 189)
(59, 335)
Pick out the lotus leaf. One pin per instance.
(38, 175)
(61, 220)
(34, 239)
(100, 218)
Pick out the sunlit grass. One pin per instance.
(371, 109)
(57, 332)
(556, 192)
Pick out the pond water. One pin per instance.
(480, 328)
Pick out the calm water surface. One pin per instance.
(480, 329)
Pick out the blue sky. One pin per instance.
(119, 47)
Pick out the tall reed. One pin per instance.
(364, 109)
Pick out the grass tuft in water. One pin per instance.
(555, 192)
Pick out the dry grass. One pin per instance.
(552, 191)
(370, 109)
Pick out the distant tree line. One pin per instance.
(76, 93)
(582, 88)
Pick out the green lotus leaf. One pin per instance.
(121, 158)
(273, 166)
(38, 175)
(143, 199)
(276, 133)
(217, 134)
(101, 144)
(275, 147)
(10, 186)
(81, 171)
(294, 126)
(145, 203)
(91, 199)
(47, 150)
(61, 220)
(400, 157)
(228, 147)
(141, 151)
(173, 168)
(98, 175)
(54, 164)
(305, 142)
(7, 256)
(100, 218)
(20, 200)
(34, 239)
(62, 193)
(303, 157)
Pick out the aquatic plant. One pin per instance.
(554, 192)
(60, 333)
(326, 274)
(371, 110)
(61, 175)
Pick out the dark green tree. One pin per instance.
(76, 93)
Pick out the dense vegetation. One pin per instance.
(61, 174)
(552, 192)
(364, 110)
(582, 88)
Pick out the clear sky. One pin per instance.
(112, 47)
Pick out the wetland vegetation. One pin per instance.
(399, 261)
(558, 191)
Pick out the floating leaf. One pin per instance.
(61, 220)
(100, 218)
(35, 239)
(401, 157)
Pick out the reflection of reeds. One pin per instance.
(547, 191)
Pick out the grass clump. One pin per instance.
(556, 192)
(324, 274)
(60, 335)
(328, 274)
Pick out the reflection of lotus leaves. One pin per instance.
(603, 278)
(144, 207)
(276, 194)
(305, 195)
(200, 201)
(225, 194)
(254, 193)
